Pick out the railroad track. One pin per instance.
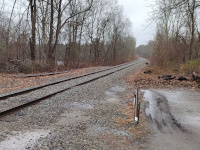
(38, 75)
(11, 102)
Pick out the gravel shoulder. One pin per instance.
(98, 115)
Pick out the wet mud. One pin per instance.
(158, 111)
(172, 115)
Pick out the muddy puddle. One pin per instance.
(178, 107)
(157, 109)
(174, 116)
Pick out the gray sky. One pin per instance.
(137, 11)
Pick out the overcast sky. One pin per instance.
(137, 11)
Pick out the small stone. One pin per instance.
(20, 114)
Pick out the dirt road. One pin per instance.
(174, 118)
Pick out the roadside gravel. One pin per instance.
(80, 118)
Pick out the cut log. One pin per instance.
(147, 72)
(175, 70)
(169, 78)
(166, 77)
(181, 78)
(195, 77)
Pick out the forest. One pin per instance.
(40, 35)
(145, 51)
(177, 39)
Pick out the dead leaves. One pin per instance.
(151, 81)
(9, 83)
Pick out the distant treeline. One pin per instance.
(145, 51)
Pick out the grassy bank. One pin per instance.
(192, 66)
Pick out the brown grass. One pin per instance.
(138, 131)
(117, 142)
(157, 70)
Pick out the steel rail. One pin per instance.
(16, 93)
(38, 75)
(26, 104)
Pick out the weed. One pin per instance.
(192, 66)
(157, 70)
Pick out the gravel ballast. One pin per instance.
(79, 118)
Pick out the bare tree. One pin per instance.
(177, 30)
(32, 41)
(9, 25)
(61, 22)
(82, 31)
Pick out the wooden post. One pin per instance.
(136, 106)
(138, 111)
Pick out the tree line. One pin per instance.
(178, 31)
(72, 31)
(145, 51)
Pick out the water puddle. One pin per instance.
(23, 140)
(175, 107)
(157, 108)
(185, 106)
